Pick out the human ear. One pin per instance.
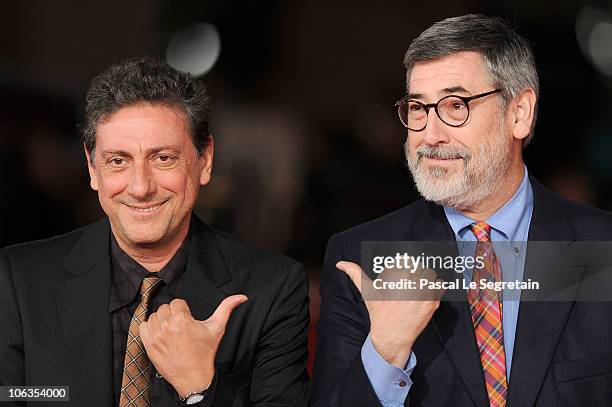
(207, 157)
(523, 109)
(93, 176)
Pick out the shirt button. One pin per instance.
(402, 384)
(159, 376)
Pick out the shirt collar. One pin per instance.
(506, 220)
(127, 273)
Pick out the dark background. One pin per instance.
(308, 141)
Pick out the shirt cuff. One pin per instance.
(390, 383)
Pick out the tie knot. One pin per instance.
(482, 231)
(148, 288)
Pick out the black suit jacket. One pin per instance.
(563, 350)
(55, 327)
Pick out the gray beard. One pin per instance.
(481, 174)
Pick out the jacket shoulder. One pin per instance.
(244, 258)
(44, 250)
(240, 249)
(391, 226)
(588, 223)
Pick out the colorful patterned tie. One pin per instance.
(486, 310)
(135, 383)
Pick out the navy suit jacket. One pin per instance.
(563, 350)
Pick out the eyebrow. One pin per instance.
(448, 91)
(150, 151)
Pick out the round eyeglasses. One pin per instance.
(453, 110)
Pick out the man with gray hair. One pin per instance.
(150, 306)
(470, 109)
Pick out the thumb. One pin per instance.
(352, 270)
(224, 310)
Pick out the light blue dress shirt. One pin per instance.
(509, 228)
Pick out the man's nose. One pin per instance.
(436, 131)
(142, 183)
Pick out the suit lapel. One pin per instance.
(452, 322)
(431, 225)
(206, 271)
(82, 303)
(540, 324)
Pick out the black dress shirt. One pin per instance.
(127, 275)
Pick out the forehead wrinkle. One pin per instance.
(458, 72)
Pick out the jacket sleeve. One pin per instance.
(339, 377)
(279, 376)
(11, 337)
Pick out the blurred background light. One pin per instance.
(194, 49)
(600, 46)
(594, 35)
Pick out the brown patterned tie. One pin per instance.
(135, 383)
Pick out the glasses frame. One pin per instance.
(427, 106)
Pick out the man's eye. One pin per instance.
(117, 162)
(415, 107)
(165, 159)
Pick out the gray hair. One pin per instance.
(146, 80)
(507, 55)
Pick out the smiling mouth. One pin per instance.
(144, 209)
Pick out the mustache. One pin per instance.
(443, 152)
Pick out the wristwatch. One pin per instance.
(195, 397)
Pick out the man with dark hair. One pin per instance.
(470, 109)
(150, 306)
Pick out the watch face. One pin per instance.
(194, 398)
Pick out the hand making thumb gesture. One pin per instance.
(183, 349)
(397, 317)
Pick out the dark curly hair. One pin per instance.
(146, 80)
